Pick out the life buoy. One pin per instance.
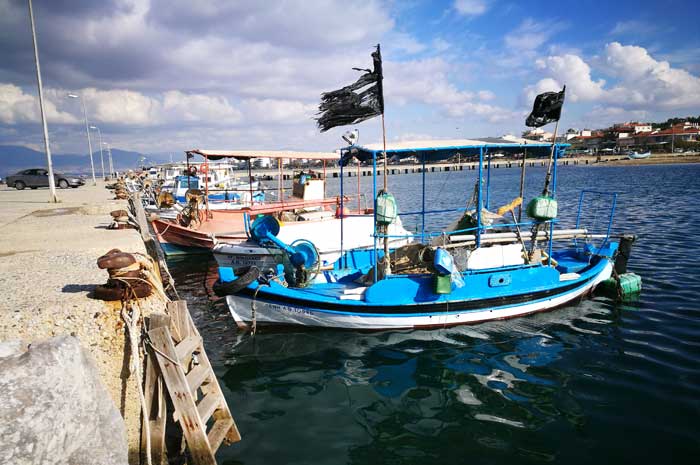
(204, 169)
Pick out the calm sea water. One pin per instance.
(595, 382)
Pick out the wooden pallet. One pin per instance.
(200, 406)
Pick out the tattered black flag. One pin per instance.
(355, 103)
(547, 109)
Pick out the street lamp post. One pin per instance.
(102, 159)
(52, 183)
(87, 131)
(672, 138)
(109, 154)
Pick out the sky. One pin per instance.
(164, 76)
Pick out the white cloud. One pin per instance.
(471, 7)
(277, 111)
(440, 45)
(575, 73)
(18, 107)
(199, 108)
(530, 35)
(118, 107)
(633, 27)
(427, 82)
(639, 82)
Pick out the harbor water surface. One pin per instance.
(593, 382)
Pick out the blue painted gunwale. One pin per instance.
(399, 292)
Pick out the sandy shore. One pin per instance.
(658, 159)
(48, 266)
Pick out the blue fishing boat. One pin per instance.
(491, 264)
(486, 266)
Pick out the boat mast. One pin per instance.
(380, 91)
(522, 185)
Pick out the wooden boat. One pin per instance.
(201, 226)
(324, 233)
(480, 272)
(638, 156)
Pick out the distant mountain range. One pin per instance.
(15, 157)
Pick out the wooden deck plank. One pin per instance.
(154, 394)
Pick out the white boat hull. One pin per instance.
(241, 308)
(324, 234)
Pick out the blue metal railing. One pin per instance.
(611, 215)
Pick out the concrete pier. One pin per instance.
(48, 256)
(396, 169)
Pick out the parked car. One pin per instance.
(39, 177)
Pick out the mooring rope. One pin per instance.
(132, 322)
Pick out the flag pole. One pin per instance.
(548, 177)
(380, 89)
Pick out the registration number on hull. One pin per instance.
(289, 309)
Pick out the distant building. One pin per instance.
(538, 134)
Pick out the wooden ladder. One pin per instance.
(194, 390)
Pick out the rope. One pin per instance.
(132, 322)
(147, 341)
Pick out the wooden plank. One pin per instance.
(198, 375)
(207, 405)
(140, 215)
(232, 435)
(185, 348)
(182, 399)
(218, 433)
(155, 401)
(180, 325)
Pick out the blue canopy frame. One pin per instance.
(439, 153)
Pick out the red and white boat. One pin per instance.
(199, 229)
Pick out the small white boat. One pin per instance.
(322, 228)
(638, 156)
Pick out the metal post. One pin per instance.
(522, 185)
(359, 192)
(279, 180)
(488, 179)
(250, 182)
(87, 131)
(111, 166)
(672, 138)
(52, 184)
(341, 206)
(422, 229)
(478, 198)
(102, 159)
(554, 192)
(374, 196)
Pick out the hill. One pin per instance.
(15, 157)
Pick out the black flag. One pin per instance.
(547, 109)
(355, 103)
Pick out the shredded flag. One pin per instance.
(547, 109)
(355, 103)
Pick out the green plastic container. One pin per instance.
(630, 284)
(626, 288)
(386, 208)
(542, 208)
(443, 284)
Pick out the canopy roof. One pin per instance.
(442, 149)
(247, 154)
